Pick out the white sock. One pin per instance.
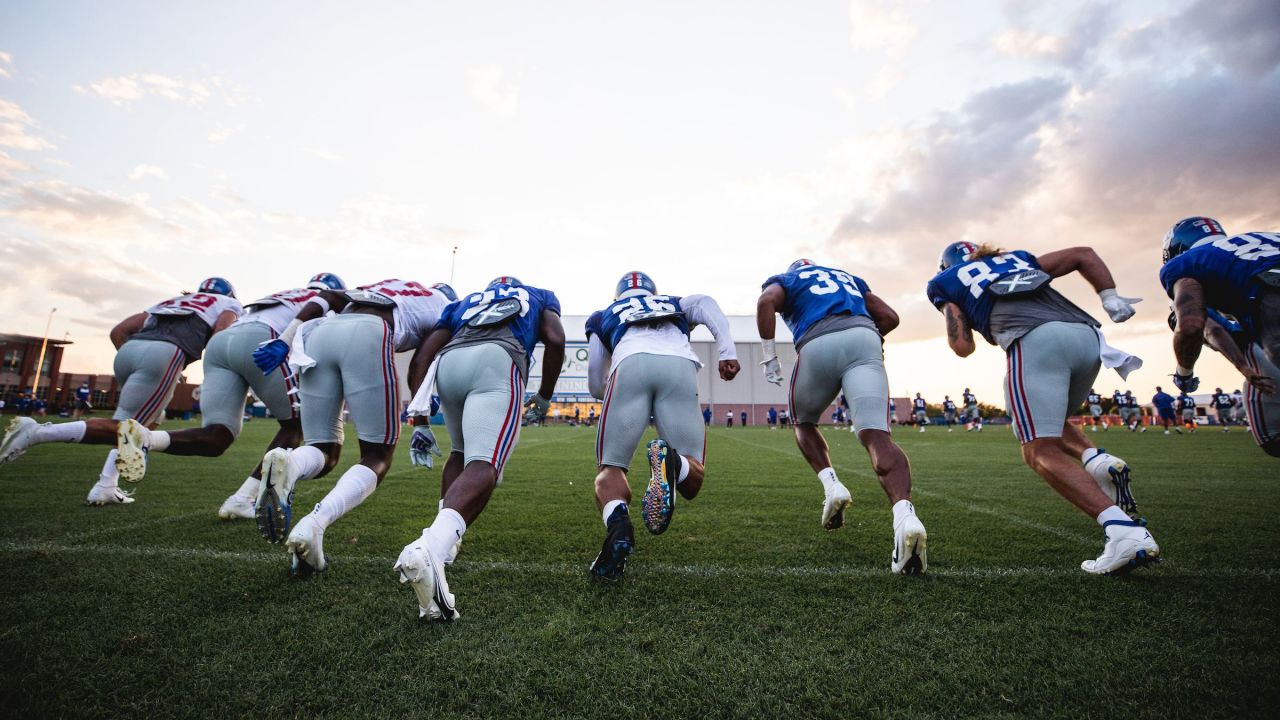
(250, 488)
(445, 532)
(828, 477)
(609, 507)
(158, 440)
(306, 462)
(684, 470)
(356, 484)
(902, 509)
(70, 432)
(1088, 454)
(1112, 513)
(110, 477)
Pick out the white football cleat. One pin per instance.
(236, 508)
(419, 567)
(274, 505)
(306, 548)
(836, 499)
(1112, 475)
(1129, 546)
(22, 430)
(910, 547)
(99, 496)
(131, 449)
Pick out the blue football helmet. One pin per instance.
(503, 280)
(217, 286)
(956, 253)
(446, 291)
(802, 262)
(326, 281)
(1186, 233)
(634, 283)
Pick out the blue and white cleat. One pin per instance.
(424, 572)
(1112, 475)
(659, 502)
(910, 547)
(619, 542)
(274, 506)
(131, 450)
(1129, 547)
(18, 438)
(306, 549)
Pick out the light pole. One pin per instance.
(40, 363)
(453, 261)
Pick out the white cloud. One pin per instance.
(15, 135)
(488, 86)
(223, 132)
(146, 171)
(123, 90)
(6, 62)
(11, 111)
(881, 24)
(323, 154)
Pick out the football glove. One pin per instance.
(540, 403)
(1118, 308)
(773, 370)
(423, 446)
(1186, 383)
(270, 355)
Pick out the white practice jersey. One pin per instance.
(279, 309)
(417, 309)
(206, 306)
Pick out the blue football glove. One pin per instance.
(423, 446)
(435, 404)
(1186, 383)
(270, 355)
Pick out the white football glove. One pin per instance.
(772, 368)
(1118, 307)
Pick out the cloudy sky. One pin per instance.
(144, 146)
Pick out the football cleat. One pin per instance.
(274, 506)
(659, 502)
(306, 548)
(99, 496)
(1112, 475)
(236, 508)
(131, 450)
(910, 547)
(1129, 546)
(419, 567)
(17, 440)
(836, 499)
(619, 541)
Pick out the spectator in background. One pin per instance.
(772, 419)
(706, 415)
(728, 419)
(744, 418)
(82, 401)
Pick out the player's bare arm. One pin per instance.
(424, 355)
(767, 307)
(225, 320)
(1189, 335)
(959, 334)
(1089, 264)
(551, 333)
(885, 317)
(127, 328)
(1218, 338)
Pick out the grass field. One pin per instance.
(744, 608)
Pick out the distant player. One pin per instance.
(1094, 401)
(230, 372)
(83, 393)
(1054, 354)
(1164, 404)
(1131, 412)
(772, 418)
(152, 348)
(948, 411)
(972, 415)
(706, 416)
(1187, 407)
(743, 417)
(641, 365)
(893, 412)
(1221, 403)
(1239, 276)
(728, 419)
(920, 409)
(839, 327)
(482, 346)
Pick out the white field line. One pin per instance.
(972, 507)
(98, 532)
(573, 569)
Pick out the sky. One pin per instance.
(145, 146)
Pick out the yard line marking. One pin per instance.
(98, 532)
(973, 507)
(573, 569)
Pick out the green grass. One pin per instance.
(744, 608)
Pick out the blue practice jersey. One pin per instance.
(970, 399)
(1163, 401)
(948, 405)
(611, 323)
(523, 325)
(1227, 269)
(965, 284)
(814, 292)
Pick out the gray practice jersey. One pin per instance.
(836, 323)
(1015, 316)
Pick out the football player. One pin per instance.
(348, 357)
(1221, 403)
(1164, 404)
(641, 364)
(1237, 275)
(484, 342)
(152, 348)
(1054, 353)
(1094, 401)
(1131, 412)
(920, 409)
(1187, 406)
(229, 372)
(948, 411)
(972, 415)
(839, 327)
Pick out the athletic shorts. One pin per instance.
(1166, 414)
(1128, 413)
(229, 373)
(355, 362)
(481, 393)
(851, 360)
(1263, 410)
(643, 385)
(922, 416)
(1050, 370)
(147, 371)
(1095, 410)
(971, 412)
(1188, 415)
(949, 416)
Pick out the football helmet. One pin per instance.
(955, 253)
(802, 262)
(446, 291)
(217, 286)
(503, 280)
(326, 281)
(1186, 233)
(634, 283)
